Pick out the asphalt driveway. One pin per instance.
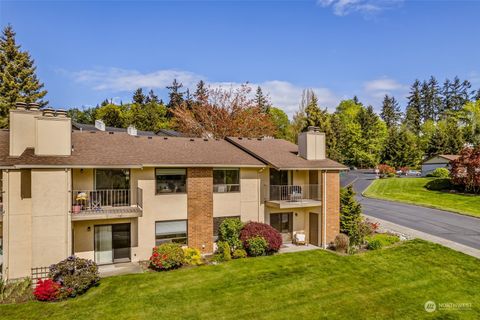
(454, 227)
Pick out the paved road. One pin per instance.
(458, 228)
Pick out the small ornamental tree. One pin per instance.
(385, 169)
(350, 215)
(466, 170)
(258, 229)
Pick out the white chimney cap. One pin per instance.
(100, 125)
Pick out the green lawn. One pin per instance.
(412, 190)
(384, 284)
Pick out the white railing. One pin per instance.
(98, 200)
(293, 193)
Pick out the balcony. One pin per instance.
(106, 204)
(293, 196)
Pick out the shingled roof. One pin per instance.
(282, 154)
(108, 149)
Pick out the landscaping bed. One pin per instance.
(394, 282)
(414, 191)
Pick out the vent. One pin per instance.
(100, 125)
(131, 130)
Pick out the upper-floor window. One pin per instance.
(171, 180)
(226, 180)
(108, 179)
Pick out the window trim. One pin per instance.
(170, 193)
(174, 220)
(226, 184)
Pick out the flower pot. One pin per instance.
(76, 208)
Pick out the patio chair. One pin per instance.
(296, 194)
(299, 238)
(95, 200)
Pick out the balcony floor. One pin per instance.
(287, 204)
(108, 213)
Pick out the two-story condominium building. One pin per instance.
(113, 196)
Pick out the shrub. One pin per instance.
(439, 185)
(381, 240)
(256, 246)
(229, 231)
(466, 170)
(47, 290)
(192, 256)
(239, 254)
(341, 242)
(254, 229)
(440, 173)
(166, 256)
(75, 275)
(223, 251)
(385, 169)
(16, 292)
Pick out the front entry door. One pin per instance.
(112, 243)
(313, 228)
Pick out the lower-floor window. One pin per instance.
(171, 231)
(282, 222)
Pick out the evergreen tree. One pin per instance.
(138, 97)
(201, 92)
(402, 148)
(151, 97)
(175, 95)
(430, 100)
(471, 117)
(261, 100)
(413, 117)
(350, 215)
(18, 81)
(391, 113)
(356, 100)
(373, 134)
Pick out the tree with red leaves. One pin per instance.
(220, 113)
(466, 170)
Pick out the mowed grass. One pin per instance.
(412, 190)
(385, 284)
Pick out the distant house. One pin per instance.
(440, 161)
(100, 126)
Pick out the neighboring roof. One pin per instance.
(441, 158)
(91, 127)
(108, 149)
(281, 154)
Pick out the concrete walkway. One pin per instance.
(119, 269)
(290, 247)
(412, 233)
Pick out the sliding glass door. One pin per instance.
(103, 244)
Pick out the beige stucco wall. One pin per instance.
(17, 228)
(53, 136)
(51, 224)
(22, 130)
(82, 179)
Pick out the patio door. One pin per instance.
(283, 223)
(278, 179)
(112, 243)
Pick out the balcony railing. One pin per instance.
(293, 193)
(84, 201)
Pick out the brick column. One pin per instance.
(200, 208)
(332, 205)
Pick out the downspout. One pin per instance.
(324, 202)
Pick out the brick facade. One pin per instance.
(200, 208)
(333, 205)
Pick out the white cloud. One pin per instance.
(376, 89)
(283, 94)
(365, 7)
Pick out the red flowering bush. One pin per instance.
(167, 256)
(385, 169)
(258, 229)
(47, 290)
(466, 170)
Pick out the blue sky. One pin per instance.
(87, 51)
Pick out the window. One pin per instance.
(226, 180)
(108, 179)
(171, 180)
(282, 222)
(26, 184)
(171, 231)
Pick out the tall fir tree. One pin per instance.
(261, 100)
(151, 97)
(413, 114)
(18, 80)
(431, 100)
(175, 95)
(138, 97)
(391, 113)
(201, 92)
